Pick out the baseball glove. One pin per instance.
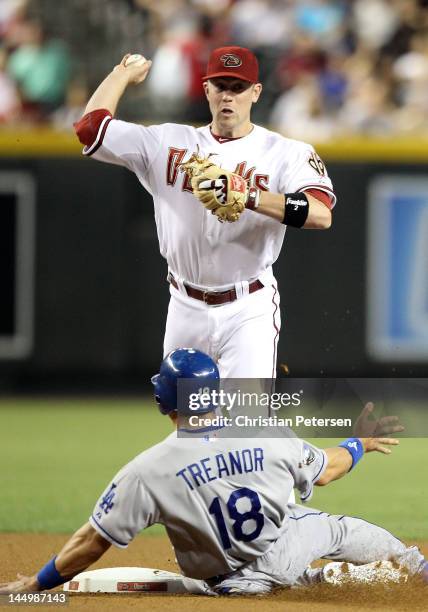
(222, 192)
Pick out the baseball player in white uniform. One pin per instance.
(223, 502)
(224, 297)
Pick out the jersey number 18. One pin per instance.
(238, 518)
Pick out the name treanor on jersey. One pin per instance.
(224, 464)
(176, 158)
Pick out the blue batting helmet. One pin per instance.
(187, 363)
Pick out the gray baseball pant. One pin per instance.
(310, 535)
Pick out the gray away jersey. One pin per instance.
(223, 501)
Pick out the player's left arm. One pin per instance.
(306, 196)
(319, 215)
(315, 466)
(343, 458)
(83, 548)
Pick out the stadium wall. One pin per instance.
(100, 295)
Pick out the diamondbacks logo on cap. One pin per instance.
(231, 61)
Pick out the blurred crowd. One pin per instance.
(329, 67)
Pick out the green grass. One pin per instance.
(57, 456)
(390, 491)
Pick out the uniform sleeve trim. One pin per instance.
(327, 190)
(105, 533)
(316, 477)
(319, 195)
(322, 468)
(100, 137)
(307, 497)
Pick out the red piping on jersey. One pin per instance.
(222, 140)
(275, 340)
(322, 196)
(311, 189)
(92, 127)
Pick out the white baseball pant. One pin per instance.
(241, 336)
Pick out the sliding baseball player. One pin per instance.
(223, 502)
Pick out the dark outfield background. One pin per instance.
(100, 300)
(100, 295)
(97, 299)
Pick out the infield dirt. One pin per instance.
(25, 553)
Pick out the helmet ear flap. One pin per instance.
(154, 379)
(155, 382)
(184, 363)
(165, 391)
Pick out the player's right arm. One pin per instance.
(83, 548)
(341, 459)
(110, 91)
(113, 141)
(122, 511)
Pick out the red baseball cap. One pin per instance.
(236, 62)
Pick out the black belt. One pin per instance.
(215, 298)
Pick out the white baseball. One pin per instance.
(136, 59)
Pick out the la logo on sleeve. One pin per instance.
(107, 501)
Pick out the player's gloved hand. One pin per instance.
(222, 192)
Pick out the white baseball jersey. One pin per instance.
(200, 250)
(223, 501)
